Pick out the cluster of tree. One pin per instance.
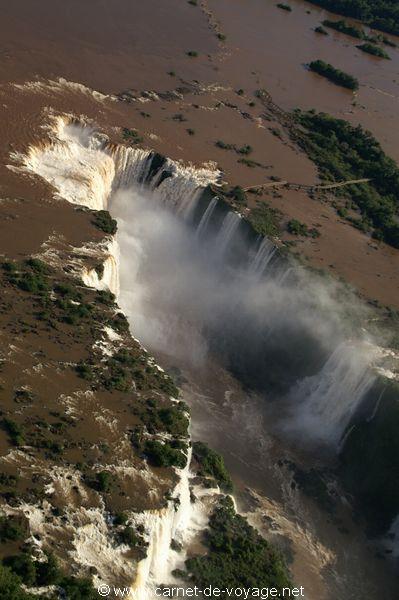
(344, 27)
(343, 152)
(22, 569)
(373, 49)
(237, 556)
(212, 464)
(381, 14)
(334, 75)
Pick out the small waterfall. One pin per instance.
(131, 165)
(262, 258)
(323, 405)
(206, 217)
(110, 277)
(229, 226)
(163, 526)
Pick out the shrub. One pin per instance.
(175, 422)
(103, 481)
(105, 222)
(12, 529)
(374, 50)
(321, 30)
(48, 572)
(37, 265)
(10, 586)
(264, 219)
(78, 588)
(247, 149)
(129, 536)
(164, 455)
(14, 430)
(343, 27)
(120, 518)
(132, 136)
(238, 194)
(297, 228)
(106, 297)
(192, 53)
(85, 371)
(335, 75)
(212, 464)
(223, 145)
(23, 566)
(284, 7)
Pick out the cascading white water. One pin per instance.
(110, 276)
(229, 226)
(206, 217)
(262, 258)
(323, 405)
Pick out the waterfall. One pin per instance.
(163, 526)
(323, 405)
(110, 276)
(262, 258)
(229, 226)
(206, 217)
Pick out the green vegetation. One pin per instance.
(103, 481)
(22, 568)
(247, 149)
(321, 30)
(192, 53)
(132, 136)
(14, 430)
(344, 27)
(12, 529)
(286, 7)
(130, 537)
(249, 163)
(10, 586)
(212, 464)
(224, 146)
(237, 193)
(164, 454)
(380, 14)
(296, 227)
(120, 518)
(104, 221)
(343, 152)
(78, 588)
(190, 131)
(265, 219)
(237, 556)
(374, 50)
(335, 75)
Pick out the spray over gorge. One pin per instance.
(274, 360)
